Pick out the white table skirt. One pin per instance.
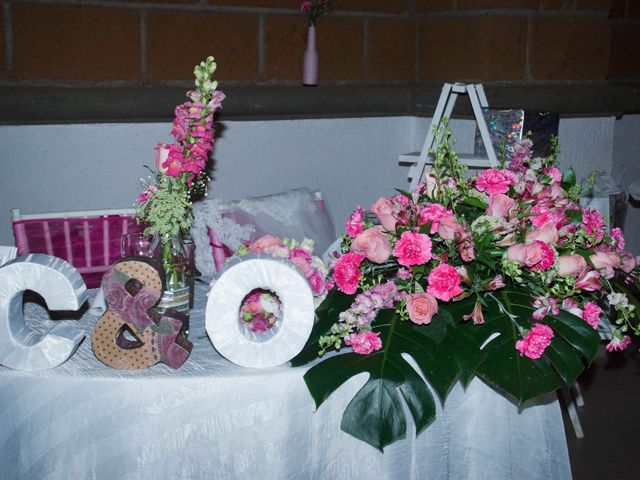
(214, 420)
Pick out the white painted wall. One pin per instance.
(48, 168)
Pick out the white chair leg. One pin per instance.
(577, 394)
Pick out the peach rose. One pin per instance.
(605, 259)
(547, 233)
(161, 152)
(373, 244)
(500, 205)
(571, 265)
(384, 208)
(628, 262)
(525, 254)
(421, 307)
(447, 227)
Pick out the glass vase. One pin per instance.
(175, 261)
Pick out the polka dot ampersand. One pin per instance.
(131, 334)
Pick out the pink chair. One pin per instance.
(88, 240)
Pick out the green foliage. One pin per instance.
(442, 352)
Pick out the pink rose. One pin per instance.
(364, 343)
(447, 228)
(571, 265)
(373, 244)
(316, 280)
(413, 249)
(421, 307)
(500, 205)
(605, 260)
(537, 255)
(265, 242)
(384, 210)
(444, 282)
(301, 258)
(591, 314)
(547, 233)
(628, 262)
(354, 224)
(161, 152)
(494, 181)
(346, 272)
(536, 341)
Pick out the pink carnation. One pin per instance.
(593, 223)
(364, 343)
(354, 225)
(494, 181)
(618, 239)
(536, 341)
(346, 272)
(434, 212)
(591, 314)
(413, 249)
(444, 282)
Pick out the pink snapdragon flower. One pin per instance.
(364, 343)
(535, 342)
(591, 314)
(444, 282)
(354, 224)
(413, 249)
(347, 273)
(494, 181)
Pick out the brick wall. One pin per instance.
(157, 42)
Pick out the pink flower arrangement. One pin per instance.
(260, 310)
(536, 341)
(532, 235)
(364, 343)
(313, 9)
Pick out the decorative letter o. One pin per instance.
(62, 288)
(241, 276)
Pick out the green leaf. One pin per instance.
(475, 202)
(404, 193)
(575, 216)
(568, 178)
(574, 345)
(375, 415)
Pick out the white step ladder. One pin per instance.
(448, 97)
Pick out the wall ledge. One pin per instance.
(104, 104)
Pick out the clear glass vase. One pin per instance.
(175, 261)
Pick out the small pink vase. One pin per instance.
(310, 64)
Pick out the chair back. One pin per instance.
(88, 240)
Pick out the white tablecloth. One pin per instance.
(214, 420)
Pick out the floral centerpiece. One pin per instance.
(261, 309)
(165, 204)
(500, 276)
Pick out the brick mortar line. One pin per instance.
(8, 39)
(202, 8)
(632, 22)
(518, 13)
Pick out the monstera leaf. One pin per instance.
(573, 347)
(375, 415)
(444, 351)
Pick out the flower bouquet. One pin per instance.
(313, 9)
(261, 309)
(501, 276)
(165, 204)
